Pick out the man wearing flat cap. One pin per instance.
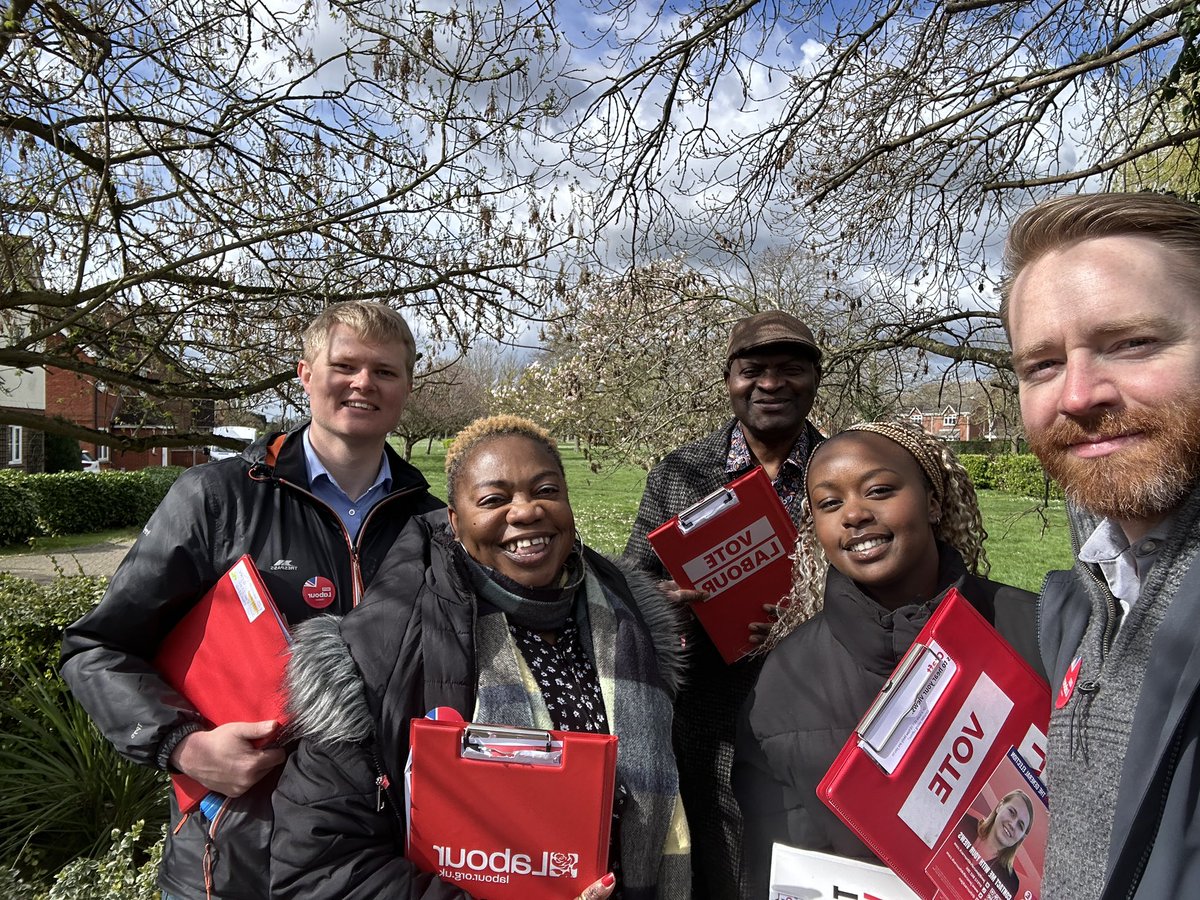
(772, 371)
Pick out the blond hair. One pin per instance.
(960, 524)
(375, 323)
(1007, 854)
(1058, 223)
(486, 430)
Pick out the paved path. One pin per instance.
(92, 559)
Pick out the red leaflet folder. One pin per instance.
(960, 703)
(734, 544)
(510, 813)
(227, 657)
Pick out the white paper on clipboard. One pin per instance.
(905, 703)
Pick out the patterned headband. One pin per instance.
(916, 443)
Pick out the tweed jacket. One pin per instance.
(707, 708)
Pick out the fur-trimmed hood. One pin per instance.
(328, 695)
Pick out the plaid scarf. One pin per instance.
(654, 840)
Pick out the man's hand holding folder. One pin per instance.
(227, 657)
(685, 597)
(229, 759)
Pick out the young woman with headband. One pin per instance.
(889, 524)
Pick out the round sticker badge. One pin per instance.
(1067, 688)
(318, 592)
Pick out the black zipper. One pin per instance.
(1168, 776)
(383, 791)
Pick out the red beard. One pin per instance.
(1141, 482)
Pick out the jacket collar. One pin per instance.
(876, 636)
(286, 461)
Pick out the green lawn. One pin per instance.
(1024, 542)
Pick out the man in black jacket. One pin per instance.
(772, 372)
(317, 509)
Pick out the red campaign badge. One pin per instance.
(1067, 688)
(318, 592)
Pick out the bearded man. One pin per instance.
(1102, 307)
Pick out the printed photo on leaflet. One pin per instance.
(998, 850)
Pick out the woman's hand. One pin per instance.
(600, 889)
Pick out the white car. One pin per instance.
(89, 462)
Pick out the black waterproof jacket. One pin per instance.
(410, 648)
(814, 688)
(257, 503)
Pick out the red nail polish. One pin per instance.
(608, 880)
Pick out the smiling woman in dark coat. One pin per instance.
(890, 523)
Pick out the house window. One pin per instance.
(16, 438)
(949, 419)
(102, 452)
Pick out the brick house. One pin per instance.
(89, 402)
(22, 448)
(949, 423)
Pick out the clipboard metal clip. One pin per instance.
(917, 670)
(507, 744)
(707, 508)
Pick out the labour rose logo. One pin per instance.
(564, 865)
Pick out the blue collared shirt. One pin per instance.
(327, 490)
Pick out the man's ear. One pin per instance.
(304, 373)
(453, 523)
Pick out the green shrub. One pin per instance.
(18, 509)
(33, 616)
(78, 502)
(1023, 476)
(978, 466)
(63, 787)
(127, 872)
(14, 887)
(32, 619)
(62, 453)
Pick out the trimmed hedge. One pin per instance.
(979, 467)
(33, 616)
(78, 502)
(1022, 475)
(1019, 474)
(18, 508)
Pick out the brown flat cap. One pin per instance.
(771, 327)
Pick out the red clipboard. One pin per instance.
(510, 813)
(734, 544)
(227, 656)
(959, 701)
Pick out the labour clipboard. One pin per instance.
(227, 656)
(958, 704)
(509, 813)
(733, 544)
